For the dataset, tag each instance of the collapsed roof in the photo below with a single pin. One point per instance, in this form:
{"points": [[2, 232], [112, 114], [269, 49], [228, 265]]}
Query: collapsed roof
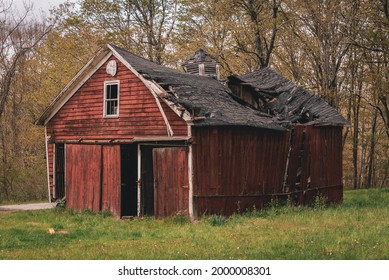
{"points": [[286, 102]]}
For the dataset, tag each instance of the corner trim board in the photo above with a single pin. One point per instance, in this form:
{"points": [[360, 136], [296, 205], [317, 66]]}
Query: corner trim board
{"points": [[47, 163], [190, 176]]}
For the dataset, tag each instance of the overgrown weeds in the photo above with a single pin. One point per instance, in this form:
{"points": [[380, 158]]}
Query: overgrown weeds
{"points": [[217, 220], [61, 204]]}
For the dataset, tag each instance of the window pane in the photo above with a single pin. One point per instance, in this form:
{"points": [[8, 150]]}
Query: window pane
{"points": [[112, 107], [108, 92], [114, 91]]}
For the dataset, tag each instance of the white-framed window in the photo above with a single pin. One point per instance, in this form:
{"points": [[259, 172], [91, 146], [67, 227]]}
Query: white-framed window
{"points": [[111, 99]]}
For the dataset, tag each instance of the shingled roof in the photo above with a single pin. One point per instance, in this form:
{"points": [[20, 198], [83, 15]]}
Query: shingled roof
{"points": [[209, 102], [206, 101], [287, 102]]}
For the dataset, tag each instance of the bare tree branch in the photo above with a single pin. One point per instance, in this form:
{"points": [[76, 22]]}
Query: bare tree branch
{"points": [[18, 36]]}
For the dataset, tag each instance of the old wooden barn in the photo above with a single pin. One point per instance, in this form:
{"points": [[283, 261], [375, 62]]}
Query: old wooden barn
{"points": [[135, 138]]}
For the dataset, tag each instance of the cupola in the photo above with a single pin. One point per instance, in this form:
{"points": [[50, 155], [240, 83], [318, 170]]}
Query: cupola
{"points": [[203, 64]]}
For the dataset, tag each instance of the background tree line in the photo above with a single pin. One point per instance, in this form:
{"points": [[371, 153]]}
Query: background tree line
{"points": [[335, 48]]}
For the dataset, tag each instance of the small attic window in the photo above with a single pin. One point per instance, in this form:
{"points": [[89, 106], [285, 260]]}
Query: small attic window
{"points": [[111, 99]]}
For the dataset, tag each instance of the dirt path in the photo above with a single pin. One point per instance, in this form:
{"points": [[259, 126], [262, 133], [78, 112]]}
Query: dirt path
{"points": [[24, 207]]}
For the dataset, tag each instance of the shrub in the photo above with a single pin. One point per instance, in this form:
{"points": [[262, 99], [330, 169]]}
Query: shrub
{"points": [[218, 220], [320, 202], [62, 203]]}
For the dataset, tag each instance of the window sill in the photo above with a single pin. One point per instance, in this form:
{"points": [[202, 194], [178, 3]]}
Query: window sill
{"points": [[111, 117]]}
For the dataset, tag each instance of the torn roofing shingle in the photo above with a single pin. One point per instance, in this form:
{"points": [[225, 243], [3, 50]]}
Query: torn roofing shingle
{"points": [[202, 96], [291, 103]]}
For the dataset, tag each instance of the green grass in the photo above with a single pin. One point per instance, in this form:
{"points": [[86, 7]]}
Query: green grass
{"points": [[356, 229]]}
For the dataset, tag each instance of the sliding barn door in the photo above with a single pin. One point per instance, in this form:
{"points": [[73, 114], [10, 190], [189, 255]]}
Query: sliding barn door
{"points": [[93, 177], [171, 187]]}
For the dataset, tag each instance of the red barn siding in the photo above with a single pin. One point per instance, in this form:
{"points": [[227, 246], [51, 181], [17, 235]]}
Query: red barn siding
{"points": [[179, 129], [326, 169], [93, 177], [236, 168], [83, 176], [316, 154], [82, 115], [111, 194]]}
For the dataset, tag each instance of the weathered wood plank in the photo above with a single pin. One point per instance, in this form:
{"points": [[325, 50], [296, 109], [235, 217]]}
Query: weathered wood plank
{"points": [[111, 180]]}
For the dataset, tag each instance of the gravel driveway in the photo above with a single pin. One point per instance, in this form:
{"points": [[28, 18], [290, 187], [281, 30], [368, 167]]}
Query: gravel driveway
{"points": [[24, 207]]}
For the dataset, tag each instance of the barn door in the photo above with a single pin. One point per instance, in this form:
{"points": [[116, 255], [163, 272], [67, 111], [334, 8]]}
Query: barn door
{"points": [[92, 176], [171, 190]]}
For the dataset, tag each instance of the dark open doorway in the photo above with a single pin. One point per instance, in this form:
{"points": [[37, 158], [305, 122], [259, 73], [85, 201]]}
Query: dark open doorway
{"points": [[129, 177], [147, 194], [59, 170]]}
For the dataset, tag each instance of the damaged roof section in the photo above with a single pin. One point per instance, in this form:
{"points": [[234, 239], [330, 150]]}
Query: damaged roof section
{"points": [[273, 94], [208, 101]]}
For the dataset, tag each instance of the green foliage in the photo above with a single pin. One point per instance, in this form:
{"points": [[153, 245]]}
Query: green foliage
{"points": [[61, 204], [320, 202], [217, 220]]}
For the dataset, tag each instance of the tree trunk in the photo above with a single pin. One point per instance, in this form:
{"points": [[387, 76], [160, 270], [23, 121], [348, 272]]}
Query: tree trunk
{"points": [[356, 106], [371, 173]]}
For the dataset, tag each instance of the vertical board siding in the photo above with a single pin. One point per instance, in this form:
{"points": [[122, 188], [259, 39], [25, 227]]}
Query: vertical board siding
{"points": [[83, 175], [171, 185], [92, 177], [236, 168], [82, 115], [111, 191], [320, 163], [240, 168], [327, 170], [50, 168]]}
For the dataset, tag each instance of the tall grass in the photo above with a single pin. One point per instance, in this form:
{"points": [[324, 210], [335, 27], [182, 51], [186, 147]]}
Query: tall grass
{"points": [[356, 229]]}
